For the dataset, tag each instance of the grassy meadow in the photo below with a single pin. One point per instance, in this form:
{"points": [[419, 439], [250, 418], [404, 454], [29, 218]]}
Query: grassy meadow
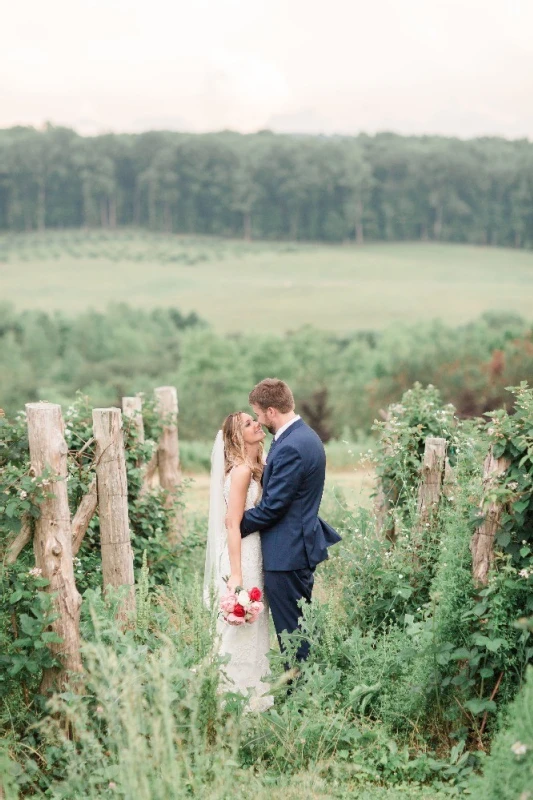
{"points": [[235, 286]]}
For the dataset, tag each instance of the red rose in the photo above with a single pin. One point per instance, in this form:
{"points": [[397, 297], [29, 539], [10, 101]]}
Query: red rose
{"points": [[255, 594], [239, 610]]}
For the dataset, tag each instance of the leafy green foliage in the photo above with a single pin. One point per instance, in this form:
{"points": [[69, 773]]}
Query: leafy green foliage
{"points": [[125, 350], [26, 611], [420, 414], [512, 438], [508, 772]]}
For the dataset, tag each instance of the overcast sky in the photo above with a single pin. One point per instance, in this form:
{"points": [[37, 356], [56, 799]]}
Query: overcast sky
{"points": [[458, 67]]}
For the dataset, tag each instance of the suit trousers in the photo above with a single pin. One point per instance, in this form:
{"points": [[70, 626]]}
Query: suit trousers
{"points": [[283, 590]]}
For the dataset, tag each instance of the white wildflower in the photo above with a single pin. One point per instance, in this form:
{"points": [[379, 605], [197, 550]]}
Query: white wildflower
{"points": [[23, 494], [35, 572], [519, 749]]}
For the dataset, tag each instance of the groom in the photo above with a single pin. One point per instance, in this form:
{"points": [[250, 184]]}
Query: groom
{"points": [[293, 537]]}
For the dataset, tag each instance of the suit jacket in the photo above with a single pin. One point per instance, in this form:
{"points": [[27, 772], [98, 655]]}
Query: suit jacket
{"points": [[292, 534]]}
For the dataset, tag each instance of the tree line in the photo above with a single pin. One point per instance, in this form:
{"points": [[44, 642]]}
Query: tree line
{"points": [[384, 187]]}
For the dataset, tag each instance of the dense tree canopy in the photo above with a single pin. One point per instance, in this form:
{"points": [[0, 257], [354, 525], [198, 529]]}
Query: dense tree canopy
{"points": [[384, 187]]}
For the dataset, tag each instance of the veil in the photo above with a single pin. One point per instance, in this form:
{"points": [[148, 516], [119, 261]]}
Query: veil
{"points": [[217, 515]]}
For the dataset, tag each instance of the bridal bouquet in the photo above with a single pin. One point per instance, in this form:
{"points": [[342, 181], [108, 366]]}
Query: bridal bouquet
{"points": [[241, 607]]}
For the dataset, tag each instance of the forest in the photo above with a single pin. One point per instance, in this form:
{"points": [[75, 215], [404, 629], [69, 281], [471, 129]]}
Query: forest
{"points": [[377, 188]]}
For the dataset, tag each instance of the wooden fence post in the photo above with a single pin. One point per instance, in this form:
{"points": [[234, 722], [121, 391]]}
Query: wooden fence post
{"points": [[168, 450], [53, 538], [383, 505], [117, 554], [482, 544], [432, 474], [83, 516], [132, 410]]}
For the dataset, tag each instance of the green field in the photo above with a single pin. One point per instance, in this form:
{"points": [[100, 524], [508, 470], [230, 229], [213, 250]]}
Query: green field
{"points": [[264, 286]]}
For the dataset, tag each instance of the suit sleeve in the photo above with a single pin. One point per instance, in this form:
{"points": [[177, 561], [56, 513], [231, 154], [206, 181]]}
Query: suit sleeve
{"points": [[282, 487]]}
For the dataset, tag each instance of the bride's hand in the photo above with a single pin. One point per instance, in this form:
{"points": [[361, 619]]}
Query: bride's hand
{"points": [[233, 582]]}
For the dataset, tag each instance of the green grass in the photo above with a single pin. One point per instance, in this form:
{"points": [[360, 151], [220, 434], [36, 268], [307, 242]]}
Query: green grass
{"points": [[264, 286]]}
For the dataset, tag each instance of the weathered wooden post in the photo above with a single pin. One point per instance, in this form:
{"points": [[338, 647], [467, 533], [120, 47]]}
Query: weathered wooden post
{"points": [[16, 546], [168, 450], [117, 554], [482, 544], [53, 538], [83, 516], [429, 494], [432, 474], [449, 482], [132, 410]]}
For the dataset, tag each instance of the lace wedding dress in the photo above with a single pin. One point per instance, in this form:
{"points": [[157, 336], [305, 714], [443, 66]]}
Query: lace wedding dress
{"points": [[247, 645]]}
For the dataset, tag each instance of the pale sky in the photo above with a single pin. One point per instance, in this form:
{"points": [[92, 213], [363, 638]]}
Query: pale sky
{"points": [[455, 67]]}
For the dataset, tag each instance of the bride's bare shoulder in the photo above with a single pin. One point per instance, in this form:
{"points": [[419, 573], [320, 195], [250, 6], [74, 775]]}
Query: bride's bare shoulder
{"points": [[239, 484], [241, 474]]}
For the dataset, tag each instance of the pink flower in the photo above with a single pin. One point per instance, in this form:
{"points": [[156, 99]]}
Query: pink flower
{"points": [[228, 603], [231, 619], [254, 610]]}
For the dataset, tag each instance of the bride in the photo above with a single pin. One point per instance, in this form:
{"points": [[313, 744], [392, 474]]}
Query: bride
{"points": [[236, 470]]}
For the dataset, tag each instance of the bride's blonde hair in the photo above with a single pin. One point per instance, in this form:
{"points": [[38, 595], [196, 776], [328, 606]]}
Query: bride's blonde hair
{"points": [[235, 448]]}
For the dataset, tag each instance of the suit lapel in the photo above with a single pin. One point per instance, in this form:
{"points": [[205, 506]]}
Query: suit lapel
{"points": [[268, 468]]}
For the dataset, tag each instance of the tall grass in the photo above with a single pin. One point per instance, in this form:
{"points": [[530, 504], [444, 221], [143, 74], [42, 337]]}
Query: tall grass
{"points": [[150, 722]]}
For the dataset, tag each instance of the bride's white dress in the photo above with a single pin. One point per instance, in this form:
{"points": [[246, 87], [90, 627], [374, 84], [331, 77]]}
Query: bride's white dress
{"points": [[247, 645]]}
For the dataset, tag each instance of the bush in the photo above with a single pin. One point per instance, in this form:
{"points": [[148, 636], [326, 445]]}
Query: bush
{"points": [[508, 771]]}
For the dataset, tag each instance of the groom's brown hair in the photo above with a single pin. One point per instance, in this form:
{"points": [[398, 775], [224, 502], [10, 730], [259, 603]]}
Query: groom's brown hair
{"points": [[272, 393]]}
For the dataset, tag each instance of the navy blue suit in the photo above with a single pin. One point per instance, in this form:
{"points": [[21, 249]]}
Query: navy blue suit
{"points": [[293, 537]]}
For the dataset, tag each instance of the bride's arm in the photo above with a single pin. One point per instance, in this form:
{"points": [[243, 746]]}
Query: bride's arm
{"points": [[240, 481]]}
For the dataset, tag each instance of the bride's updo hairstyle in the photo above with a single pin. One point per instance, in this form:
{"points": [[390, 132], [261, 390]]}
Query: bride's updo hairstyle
{"points": [[235, 448]]}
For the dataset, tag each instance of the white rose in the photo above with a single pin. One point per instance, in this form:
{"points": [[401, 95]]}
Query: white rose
{"points": [[243, 598]]}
